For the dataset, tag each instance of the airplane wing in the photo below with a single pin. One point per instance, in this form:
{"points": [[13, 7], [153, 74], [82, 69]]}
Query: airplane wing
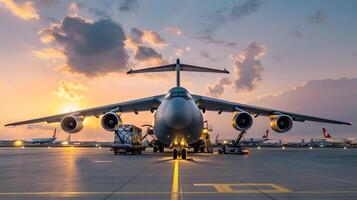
{"points": [[212, 104], [144, 104]]}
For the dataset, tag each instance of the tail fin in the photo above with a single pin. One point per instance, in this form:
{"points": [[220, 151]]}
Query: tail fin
{"points": [[266, 135], [326, 134], [54, 133], [216, 140], [177, 67]]}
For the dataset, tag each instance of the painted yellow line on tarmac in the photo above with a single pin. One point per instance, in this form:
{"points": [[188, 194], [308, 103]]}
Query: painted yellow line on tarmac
{"points": [[175, 182], [165, 193], [228, 187]]}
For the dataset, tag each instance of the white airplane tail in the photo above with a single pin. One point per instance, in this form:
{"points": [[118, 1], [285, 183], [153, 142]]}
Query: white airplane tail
{"points": [[177, 67]]}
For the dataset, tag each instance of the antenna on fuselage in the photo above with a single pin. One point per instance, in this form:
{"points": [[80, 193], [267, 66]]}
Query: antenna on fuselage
{"points": [[177, 67]]}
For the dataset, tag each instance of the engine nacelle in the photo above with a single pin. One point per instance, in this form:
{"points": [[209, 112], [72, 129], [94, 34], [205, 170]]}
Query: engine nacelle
{"points": [[242, 121], [110, 120], [71, 124], [281, 123]]}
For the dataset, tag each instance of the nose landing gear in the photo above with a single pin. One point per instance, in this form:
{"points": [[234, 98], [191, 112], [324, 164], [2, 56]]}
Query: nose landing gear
{"points": [[176, 152], [184, 154]]}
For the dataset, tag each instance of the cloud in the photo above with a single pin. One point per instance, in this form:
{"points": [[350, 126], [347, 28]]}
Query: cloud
{"points": [[328, 98], [296, 33], [178, 52], [91, 48], [218, 89], [247, 69], [49, 53], [206, 55], [210, 40], [98, 12], [140, 36], [144, 53], [319, 16], [247, 8], [73, 9], [140, 40], [69, 90], [221, 16], [174, 30], [149, 56], [25, 11], [128, 5]]}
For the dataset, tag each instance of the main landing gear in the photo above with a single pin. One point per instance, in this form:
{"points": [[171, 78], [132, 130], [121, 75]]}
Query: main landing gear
{"points": [[176, 152]]}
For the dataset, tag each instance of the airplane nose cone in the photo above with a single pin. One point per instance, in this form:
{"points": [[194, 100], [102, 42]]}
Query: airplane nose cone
{"points": [[178, 114]]}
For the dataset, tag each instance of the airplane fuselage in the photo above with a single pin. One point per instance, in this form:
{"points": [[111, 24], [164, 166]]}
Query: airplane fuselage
{"points": [[43, 140], [178, 120]]}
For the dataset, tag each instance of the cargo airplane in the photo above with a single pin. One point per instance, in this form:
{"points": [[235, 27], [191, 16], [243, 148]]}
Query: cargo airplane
{"points": [[178, 119]]}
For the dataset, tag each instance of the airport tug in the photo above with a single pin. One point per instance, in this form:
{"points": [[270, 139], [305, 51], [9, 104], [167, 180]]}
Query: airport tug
{"points": [[235, 147]]}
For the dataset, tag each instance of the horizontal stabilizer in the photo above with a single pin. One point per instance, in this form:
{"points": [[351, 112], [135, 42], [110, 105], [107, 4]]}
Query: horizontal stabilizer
{"points": [[163, 68], [192, 68], [177, 67]]}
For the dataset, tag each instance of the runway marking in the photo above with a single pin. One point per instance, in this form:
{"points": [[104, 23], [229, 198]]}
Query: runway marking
{"points": [[74, 193], [102, 161], [227, 187], [175, 182]]}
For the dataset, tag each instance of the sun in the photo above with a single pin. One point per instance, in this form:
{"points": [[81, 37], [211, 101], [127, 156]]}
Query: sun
{"points": [[69, 108]]}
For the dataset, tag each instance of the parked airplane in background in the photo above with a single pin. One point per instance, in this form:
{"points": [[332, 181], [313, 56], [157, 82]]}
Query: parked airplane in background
{"points": [[256, 141], [245, 141], [178, 119], [337, 141], [45, 140]]}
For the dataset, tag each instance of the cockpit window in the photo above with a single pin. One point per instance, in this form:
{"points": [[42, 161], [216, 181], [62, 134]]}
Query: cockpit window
{"points": [[183, 94]]}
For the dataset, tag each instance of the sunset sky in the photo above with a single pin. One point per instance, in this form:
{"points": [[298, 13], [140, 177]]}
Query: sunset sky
{"points": [[57, 56]]}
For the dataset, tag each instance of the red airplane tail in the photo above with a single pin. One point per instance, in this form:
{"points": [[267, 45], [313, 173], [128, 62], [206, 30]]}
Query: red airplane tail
{"points": [[216, 140], [266, 135], [326, 134]]}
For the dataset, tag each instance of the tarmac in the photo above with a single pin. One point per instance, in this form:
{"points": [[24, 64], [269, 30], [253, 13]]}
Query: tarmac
{"points": [[95, 173]]}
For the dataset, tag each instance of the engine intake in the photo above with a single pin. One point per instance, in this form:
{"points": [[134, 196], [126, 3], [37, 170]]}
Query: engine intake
{"points": [[281, 123], [242, 121], [71, 124], [110, 120]]}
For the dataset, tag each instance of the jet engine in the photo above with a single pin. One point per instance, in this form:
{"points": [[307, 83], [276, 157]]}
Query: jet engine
{"points": [[242, 121], [72, 124], [281, 123], [110, 120]]}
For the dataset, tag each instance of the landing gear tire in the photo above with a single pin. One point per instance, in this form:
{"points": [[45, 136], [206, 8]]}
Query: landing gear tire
{"points": [[155, 149], [161, 149], [174, 154], [184, 154], [115, 152]]}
